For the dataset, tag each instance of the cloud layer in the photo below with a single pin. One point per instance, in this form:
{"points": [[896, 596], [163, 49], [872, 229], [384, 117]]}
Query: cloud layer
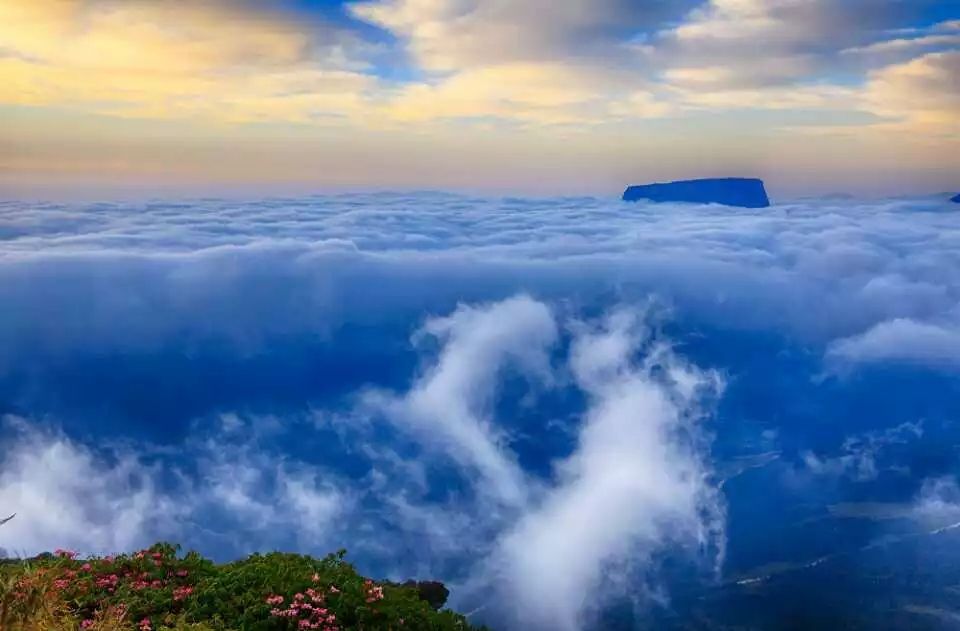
{"points": [[533, 399]]}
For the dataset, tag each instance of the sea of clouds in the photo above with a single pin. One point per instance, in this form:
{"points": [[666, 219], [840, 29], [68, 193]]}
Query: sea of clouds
{"points": [[535, 400]]}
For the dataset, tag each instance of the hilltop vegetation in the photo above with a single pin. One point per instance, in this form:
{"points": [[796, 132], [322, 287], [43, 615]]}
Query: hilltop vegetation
{"points": [[159, 588]]}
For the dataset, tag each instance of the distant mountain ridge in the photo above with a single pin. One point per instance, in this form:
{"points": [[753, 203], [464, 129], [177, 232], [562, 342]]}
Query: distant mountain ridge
{"points": [[730, 191]]}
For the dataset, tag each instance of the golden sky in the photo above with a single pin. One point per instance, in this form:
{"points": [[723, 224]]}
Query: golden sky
{"points": [[571, 96]]}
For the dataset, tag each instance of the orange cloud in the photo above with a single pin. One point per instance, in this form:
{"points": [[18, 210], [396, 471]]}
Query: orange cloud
{"points": [[152, 59]]}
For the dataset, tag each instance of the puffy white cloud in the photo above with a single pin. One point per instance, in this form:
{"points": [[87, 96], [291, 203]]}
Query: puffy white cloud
{"points": [[632, 484], [901, 340], [68, 496], [194, 273], [100, 500]]}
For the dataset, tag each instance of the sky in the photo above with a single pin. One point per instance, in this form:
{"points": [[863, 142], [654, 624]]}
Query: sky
{"points": [[233, 97]]}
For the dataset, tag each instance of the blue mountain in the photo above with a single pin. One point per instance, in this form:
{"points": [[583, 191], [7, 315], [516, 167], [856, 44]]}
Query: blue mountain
{"points": [[731, 191]]}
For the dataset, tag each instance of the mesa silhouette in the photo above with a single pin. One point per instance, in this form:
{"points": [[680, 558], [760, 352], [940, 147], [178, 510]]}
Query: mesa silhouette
{"points": [[730, 191]]}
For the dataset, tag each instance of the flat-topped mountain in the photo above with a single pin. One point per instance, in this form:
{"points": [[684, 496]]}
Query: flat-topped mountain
{"points": [[730, 191]]}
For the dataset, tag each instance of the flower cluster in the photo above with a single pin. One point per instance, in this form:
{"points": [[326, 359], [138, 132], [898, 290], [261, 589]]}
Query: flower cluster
{"points": [[372, 592], [309, 608], [148, 583], [117, 614]]}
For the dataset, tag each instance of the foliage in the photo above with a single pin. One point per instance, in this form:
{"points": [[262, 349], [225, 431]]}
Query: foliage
{"points": [[158, 588]]}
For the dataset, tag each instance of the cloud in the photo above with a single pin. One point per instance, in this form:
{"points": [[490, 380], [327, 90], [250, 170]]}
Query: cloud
{"points": [[861, 454], [119, 497], [537, 93], [923, 92], [637, 462], [532, 62], [901, 340], [799, 39], [147, 59], [67, 496], [909, 44], [193, 273], [451, 35], [254, 360], [223, 96], [938, 503], [451, 404], [709, 60], [632, 483], [583, 64]]}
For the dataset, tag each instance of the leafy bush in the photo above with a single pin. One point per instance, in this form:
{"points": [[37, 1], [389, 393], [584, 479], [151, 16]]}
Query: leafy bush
{"points": [[158, 588]]}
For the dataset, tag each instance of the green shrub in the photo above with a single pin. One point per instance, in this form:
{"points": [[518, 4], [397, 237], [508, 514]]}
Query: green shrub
{"points": [[159, 588]]}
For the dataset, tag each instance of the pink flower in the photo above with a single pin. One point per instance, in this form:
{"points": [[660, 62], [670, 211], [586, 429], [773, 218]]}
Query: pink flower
{"points": [[274, 600], [374, 593], [86, 624], [182, 573], [334, 590], [145, 625], [86, 567], [182, 592], [316, 578]]}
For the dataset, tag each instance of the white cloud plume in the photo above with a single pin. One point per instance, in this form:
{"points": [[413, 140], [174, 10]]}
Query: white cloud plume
{"points": [[451, 404], [633, 483]]}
